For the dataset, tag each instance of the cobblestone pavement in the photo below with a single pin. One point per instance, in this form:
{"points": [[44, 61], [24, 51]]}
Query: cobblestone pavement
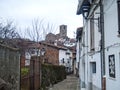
{"points": [[71, 83]]}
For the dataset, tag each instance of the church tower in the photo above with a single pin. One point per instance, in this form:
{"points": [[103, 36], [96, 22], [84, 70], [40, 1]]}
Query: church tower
{"points": [[63, 31]]}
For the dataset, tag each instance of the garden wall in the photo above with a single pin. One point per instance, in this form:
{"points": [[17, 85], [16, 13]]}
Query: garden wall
{"points": [[9, 68]]}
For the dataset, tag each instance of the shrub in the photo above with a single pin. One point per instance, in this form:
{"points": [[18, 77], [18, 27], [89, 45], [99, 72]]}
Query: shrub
{"points": [[52, 74], [24, 71]]}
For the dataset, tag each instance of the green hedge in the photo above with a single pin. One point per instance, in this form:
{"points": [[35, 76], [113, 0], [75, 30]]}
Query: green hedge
{"points": [[52, 74]]}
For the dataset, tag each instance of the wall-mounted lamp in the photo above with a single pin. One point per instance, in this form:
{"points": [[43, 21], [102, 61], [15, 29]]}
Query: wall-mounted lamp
{"points": [[85, 11]]}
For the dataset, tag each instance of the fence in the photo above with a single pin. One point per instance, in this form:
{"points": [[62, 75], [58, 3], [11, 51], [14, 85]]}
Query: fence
{"points": [[35, 73], [32, 80], [9, 68], [42, 77]]}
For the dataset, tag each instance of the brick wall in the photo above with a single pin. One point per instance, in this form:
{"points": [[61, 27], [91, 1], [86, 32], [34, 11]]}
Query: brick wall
{"points": [[51, 54]]}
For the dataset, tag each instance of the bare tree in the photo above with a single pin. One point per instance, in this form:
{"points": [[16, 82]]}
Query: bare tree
{"points": [[8, 30], [8, 33], [39, 29]]}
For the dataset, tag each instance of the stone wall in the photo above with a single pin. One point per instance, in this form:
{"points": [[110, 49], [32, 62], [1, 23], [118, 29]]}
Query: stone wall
{"points": [[9, 68]]}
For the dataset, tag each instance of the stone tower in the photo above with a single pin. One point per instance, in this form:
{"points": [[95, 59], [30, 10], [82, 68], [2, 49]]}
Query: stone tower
{"points": [[63, 31]]}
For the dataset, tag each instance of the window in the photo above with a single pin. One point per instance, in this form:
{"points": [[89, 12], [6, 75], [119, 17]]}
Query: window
{"points": [[63, 60], [112, 66], [93, 67], [67, 53], [27, 62], [118, 16], [32, 51], [92, 34]]}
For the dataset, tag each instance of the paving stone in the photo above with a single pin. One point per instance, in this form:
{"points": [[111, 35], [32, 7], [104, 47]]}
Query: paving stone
{"points": [[71, 83]]}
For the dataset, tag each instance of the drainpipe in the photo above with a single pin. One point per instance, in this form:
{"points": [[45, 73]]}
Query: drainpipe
{"points": [[102, 43], [79, 73]]}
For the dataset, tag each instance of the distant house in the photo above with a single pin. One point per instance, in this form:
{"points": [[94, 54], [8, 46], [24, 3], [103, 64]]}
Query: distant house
{"points": [[54, 54], [51, 53], [62, 41], [57, 55], [65, 59]]}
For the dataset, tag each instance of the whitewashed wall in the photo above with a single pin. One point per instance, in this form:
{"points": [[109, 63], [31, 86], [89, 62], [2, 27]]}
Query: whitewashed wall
{"points": [[67, 58], [77, 54], [62, 54], [112, 46], [96, 77], [91, 80]]}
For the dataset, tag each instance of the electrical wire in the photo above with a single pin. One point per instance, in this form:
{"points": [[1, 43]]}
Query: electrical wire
{"points": [[113, 45]]}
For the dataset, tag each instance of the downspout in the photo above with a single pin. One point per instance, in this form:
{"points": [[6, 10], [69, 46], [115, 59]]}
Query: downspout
{"points": [[102, 43], [79, 66], [79, 60]]}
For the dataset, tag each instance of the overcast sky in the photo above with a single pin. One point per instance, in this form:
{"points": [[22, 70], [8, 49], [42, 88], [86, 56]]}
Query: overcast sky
{"points": [[55, 12]]}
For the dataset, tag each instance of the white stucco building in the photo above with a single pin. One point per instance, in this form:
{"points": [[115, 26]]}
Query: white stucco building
{"points": [[65, 59], [99, 52], [112, 43]]}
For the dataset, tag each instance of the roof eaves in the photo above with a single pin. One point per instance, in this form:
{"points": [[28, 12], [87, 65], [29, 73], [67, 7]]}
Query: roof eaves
{"points": [[83, 6], [51, 45], [79, 6]]}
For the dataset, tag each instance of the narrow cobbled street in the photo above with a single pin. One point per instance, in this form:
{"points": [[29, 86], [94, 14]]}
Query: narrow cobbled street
{"points": [[70, 83]]}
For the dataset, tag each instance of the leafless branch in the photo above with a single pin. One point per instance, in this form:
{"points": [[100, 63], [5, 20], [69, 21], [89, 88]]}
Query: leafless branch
{"points": [[8, 30], [39, 30]]}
